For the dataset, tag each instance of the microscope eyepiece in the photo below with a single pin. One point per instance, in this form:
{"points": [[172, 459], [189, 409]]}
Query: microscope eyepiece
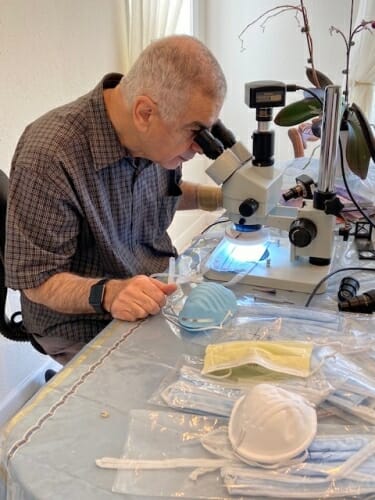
{"points": [[348, 288], [302, 189], [210, 146], [225, 136]]}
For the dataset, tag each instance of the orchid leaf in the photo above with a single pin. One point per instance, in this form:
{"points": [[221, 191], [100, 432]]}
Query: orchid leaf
{"points": [[322, 78], [357, 151], [298, 112], [366, 129]]}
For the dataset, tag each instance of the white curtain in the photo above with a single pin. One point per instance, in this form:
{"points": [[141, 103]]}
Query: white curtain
{"points": [[362, 70], [146, 20]]}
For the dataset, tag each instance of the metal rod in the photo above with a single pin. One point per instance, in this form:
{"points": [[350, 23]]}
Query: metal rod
{"points": [[329, 138]]}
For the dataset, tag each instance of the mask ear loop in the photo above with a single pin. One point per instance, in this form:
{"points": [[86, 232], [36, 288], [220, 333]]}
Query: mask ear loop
{"points": [[353, 462], [321, 363], [208, 443], [291, 461], [179, 279], [228, 315], [226, 374], [341, 349], [170, 314]]}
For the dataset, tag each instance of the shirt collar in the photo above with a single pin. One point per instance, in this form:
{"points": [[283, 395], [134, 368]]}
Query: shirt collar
{"points": [[105, 145]]}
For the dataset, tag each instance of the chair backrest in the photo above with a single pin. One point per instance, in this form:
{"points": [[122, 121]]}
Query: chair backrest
{"points": [[12, 328]]}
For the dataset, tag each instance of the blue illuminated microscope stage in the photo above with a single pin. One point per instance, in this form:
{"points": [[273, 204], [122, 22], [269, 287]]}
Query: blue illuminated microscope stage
{"points": [[251, 187], [275, 270]]}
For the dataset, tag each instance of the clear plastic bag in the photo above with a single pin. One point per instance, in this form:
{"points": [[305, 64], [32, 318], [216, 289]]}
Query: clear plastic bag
{"points": [[185, 388], [166, 454]]}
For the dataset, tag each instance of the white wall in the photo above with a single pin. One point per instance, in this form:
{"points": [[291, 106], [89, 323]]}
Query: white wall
{"points": [[51, 51], [278, 53]]}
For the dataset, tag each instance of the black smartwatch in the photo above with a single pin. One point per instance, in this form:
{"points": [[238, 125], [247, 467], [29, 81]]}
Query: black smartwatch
{"points": [[97, 295]]}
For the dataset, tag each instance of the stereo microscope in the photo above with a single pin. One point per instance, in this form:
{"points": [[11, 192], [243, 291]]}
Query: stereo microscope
{"points": [[270, 244]]}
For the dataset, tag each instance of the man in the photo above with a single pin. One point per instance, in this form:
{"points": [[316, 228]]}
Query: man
{"points": [[94, 186]]}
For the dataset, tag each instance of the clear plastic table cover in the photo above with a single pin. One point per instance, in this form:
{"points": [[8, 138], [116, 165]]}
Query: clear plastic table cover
{"points": [[339, 462], [48, 450], [345, 374]]}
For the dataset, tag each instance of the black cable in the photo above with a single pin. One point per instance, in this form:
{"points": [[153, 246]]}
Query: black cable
{"points": [[214, 224], [305, 89], [365, 216], [312, 294]]}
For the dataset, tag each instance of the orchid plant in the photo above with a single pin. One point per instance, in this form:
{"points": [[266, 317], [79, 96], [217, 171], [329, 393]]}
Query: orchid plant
{"points": [[360, 145]]}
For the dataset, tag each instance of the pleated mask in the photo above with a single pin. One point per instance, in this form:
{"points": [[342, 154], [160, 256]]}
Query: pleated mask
{"points": [[209, 305], [240, 359]]}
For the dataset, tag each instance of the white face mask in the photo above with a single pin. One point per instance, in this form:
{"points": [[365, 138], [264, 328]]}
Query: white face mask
{"points": [[271, 425]]}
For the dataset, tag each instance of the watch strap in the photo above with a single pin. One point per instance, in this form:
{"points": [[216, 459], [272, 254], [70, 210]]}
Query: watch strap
{"points": [[97, 295]]}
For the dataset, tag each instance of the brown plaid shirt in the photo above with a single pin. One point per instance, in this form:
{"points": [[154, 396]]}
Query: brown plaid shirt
{"points": [[79, 203]]}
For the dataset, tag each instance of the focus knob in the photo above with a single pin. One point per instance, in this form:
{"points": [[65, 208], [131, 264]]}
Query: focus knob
{"points": [[302, 232], [248, 207]]}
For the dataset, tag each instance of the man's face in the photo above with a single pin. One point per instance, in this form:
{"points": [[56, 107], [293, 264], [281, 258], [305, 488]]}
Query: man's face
{"points": [[171, 144]]}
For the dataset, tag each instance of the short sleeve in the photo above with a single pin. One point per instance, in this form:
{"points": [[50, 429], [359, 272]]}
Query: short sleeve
{"points": [[42, 226]]}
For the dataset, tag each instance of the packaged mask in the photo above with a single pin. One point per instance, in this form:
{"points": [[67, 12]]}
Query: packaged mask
{"points": [[240, 359], [322, 452], [209, 305], [195, 392], [270, 425]]}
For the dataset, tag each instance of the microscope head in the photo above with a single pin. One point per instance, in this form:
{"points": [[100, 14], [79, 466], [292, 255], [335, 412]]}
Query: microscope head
{"points": [[250, 192]]}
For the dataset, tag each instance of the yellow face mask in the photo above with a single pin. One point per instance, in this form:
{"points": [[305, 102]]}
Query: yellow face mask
{"points": [[240, 359]]}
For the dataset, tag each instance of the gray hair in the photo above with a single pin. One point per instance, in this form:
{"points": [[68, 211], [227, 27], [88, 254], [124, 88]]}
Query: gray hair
{"points": [[169, 70]]}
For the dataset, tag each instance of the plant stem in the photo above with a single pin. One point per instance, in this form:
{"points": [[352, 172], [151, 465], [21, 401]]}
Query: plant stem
{"points": [[279, 8], [309, 42], [348, 49]]}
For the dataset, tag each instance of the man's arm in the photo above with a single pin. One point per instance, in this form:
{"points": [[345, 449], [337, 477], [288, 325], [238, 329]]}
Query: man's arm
{"points": [[200, 196], [127, 299]]}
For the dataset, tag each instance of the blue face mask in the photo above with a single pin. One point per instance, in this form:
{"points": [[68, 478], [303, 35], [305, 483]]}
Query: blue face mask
{"points": [[192, 391], [209, 305], [324, 453], [344, 374]]}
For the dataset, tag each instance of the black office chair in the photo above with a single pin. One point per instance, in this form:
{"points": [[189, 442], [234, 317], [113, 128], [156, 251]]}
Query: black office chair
{"points": [[12, 328]]}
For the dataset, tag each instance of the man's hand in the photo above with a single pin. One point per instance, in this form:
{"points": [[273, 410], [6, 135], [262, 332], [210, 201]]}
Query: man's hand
{"points": [[126, 299], [136, 298]]}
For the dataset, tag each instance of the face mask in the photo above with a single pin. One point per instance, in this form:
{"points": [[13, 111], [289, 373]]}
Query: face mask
{"points": [[344, 374], [237, 359], [271, 425], [195, 392], [322, 452], [209, 305], [354, 404], [299, 483], [340, 462], [191, 397]]}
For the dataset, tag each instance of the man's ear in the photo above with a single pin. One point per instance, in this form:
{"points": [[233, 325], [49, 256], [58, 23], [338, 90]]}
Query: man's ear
{"points": [[144, 111]]}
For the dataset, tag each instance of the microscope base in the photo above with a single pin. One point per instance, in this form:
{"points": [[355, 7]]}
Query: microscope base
{"points": [[279, 273]]}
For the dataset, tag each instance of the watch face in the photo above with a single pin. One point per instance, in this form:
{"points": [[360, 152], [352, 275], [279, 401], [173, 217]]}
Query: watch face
{"points": [[97, 295]]}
